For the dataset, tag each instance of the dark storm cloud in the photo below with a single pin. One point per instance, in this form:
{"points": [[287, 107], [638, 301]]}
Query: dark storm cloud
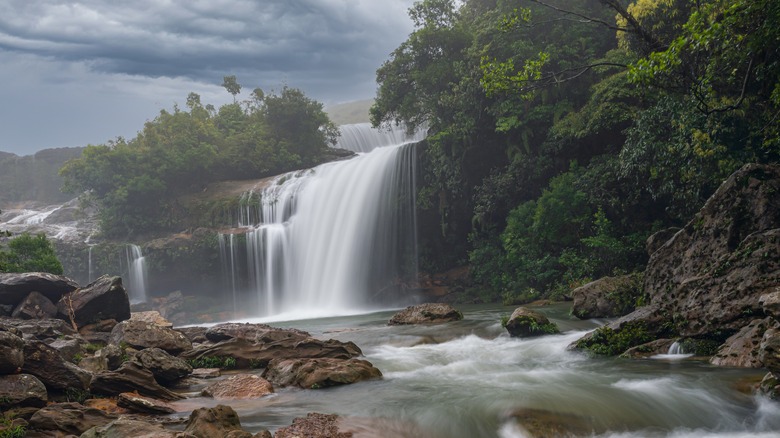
{"points": [[271, 40]]}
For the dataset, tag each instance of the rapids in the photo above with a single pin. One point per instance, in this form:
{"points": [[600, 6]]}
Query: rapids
{"points": [[468, 378]]}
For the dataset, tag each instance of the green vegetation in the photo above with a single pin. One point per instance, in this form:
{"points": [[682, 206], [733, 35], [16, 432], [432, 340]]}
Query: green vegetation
{"points": [[9, 429], [27, 253], [136, 183], [76, 395], [608, 342], [557, 144], [224, 363]]}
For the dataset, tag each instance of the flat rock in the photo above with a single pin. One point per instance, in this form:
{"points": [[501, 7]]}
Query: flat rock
{"points": [[132, 428], [35, 306], [240, 386], [319, 373], [22, 390], [70, 418], [15, 287], [144, 405], [130, 377], [11, 353], [253, 332], [41, 329], [104, 298], [142, 334], [206, 373], [428, 313]]}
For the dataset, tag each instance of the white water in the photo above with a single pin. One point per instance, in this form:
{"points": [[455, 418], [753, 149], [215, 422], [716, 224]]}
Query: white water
{"points": [[136, 278], [361, 137], [331, 240]]}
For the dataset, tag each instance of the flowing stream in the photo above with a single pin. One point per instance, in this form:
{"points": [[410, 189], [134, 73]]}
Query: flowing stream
{"points": [[469, 379]]}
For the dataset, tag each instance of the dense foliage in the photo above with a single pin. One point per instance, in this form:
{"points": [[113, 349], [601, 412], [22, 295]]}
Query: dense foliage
{"points": [[136, 183], [27, 253], [562, 134]]}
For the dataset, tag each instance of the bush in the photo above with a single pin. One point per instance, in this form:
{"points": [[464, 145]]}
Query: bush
{"points": [[27, 253]]}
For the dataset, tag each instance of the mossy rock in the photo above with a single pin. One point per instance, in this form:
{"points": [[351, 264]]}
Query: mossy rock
{"points": [[526, 323]]}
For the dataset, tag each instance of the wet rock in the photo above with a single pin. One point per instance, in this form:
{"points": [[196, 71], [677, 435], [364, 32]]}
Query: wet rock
{"points": [[42, 329], [770, 386], [47, 364], [769, 351], [258, 354], [253, 332], [240, 386], [104, 298], [22, 390], [525, 323], [11, 353], [428, 313], [151, 316], [15, 287], [607, 297], [770, 303], [206, 373], [219, 421], [315, 425], [166, 368], [132, 428], [130, 377], [319, 373], [659, 346], [144, 405], [35, 306], [70, 418], [540, 423], [142, 334], [742, 349]]}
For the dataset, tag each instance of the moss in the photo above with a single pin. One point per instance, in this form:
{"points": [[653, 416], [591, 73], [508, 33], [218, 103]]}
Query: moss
{"points": [[608, 342], [700, 347], [222, 362]]}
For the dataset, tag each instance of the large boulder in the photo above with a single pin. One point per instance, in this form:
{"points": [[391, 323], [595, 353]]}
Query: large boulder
{"points": [[142, 334], [428, 313], [607, 297], [741, 350], [41, 329], [769, 350], [240, 386], [257, 354], [70, 418], [144, 405], [70, 347], [47, 364], [11, 353], [707, 280], [104, 298], [22, 390], [525, 323], [319, 373], [15, 287], [130, 377], [35, 306], [166, 368], [219, 421]]}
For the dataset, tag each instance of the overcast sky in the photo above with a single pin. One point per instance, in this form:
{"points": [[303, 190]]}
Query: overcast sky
{"points": [[74, 73]]}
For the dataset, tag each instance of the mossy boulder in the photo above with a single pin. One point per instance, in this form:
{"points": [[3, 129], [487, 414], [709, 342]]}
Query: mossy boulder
{"points": [[526, 323]]}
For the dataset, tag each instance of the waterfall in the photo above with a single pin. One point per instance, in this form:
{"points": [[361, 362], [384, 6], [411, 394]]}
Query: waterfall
{"points": [[228, 254], [338, 238], [136, 274], [676, 348]]}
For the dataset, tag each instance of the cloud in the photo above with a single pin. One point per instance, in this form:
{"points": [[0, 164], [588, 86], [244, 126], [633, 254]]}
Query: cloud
{"points": [[153, 52]]}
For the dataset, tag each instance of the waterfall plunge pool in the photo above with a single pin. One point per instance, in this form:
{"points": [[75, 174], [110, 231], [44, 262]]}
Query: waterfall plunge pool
{"points": [[470, 379]]}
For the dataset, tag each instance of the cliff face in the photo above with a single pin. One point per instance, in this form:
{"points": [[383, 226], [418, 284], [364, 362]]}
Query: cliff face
{"points": [[706, 281]]}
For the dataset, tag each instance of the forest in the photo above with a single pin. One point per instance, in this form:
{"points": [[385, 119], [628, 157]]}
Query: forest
{"points": [[563, 134]]}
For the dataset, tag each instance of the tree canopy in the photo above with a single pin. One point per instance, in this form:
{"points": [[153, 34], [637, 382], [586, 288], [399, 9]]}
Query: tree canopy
{"points": [[28, 253]]}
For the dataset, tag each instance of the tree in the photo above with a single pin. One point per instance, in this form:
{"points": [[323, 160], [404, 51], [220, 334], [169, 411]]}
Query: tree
{"points": [[232, 86], [27, 253]]}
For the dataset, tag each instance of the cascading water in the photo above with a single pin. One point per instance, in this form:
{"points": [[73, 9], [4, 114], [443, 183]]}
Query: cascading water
{"points": [[136, 274], [337, 238]]}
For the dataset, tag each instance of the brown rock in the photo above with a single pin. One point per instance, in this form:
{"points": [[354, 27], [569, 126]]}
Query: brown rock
{"points": [[22, 390], [607, 297], [319, 373], [68, 346], [771, 304], [98, 332], [428, 313], [130, 377], [15, 287], [206, 373], [549, 424], [47, 364], [253, 332], [141, 334], [41, 329], [769, 351], [219, 421], [742, 349], [35, 306], [151, 316], [313, 426], [144, 405], [240, 386], [525, 323], [104, 298], [166, 368], [122, 428], [11, 353], [659, 346], [71, 418], [770, 386]]}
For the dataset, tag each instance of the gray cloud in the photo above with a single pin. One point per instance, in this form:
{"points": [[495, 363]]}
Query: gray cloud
{"points": [[145, 54]]}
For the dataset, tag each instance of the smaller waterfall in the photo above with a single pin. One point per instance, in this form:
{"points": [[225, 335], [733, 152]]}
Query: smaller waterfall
{"points": [[229, 254], [676, 348], [136, 274]]}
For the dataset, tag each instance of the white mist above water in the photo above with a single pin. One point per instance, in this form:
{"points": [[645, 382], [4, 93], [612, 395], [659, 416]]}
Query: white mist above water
{"points": [[333, 239]]}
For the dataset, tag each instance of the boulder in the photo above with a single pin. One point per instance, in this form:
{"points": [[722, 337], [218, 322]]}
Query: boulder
{"points": [[47, 364], [98, 332], [68, 346], [15, 287], [41, 329], [315, 425], [142, 334], [607, 297], [319, 373], [104, 298], [70, 418], [428, 313], [196, 335], [769, 350], [152, 316], [219, 421], [124, 427], [770, 386], [253, 332], [525, 323], [166, 368], [22, 390], [257, 354], [130, 377], [144, 405], [741, 350], [11, 353], [240, 386], [659, 346], [35, 306], [544, 423], [770, 303], [108, 358]]}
